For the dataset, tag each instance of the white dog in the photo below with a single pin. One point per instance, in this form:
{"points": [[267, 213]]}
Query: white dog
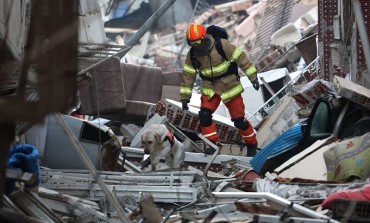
{"points": [[159, 142]]}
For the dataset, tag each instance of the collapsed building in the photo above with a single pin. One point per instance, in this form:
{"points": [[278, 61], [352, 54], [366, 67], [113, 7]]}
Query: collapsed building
{"points": [[311, 115]]}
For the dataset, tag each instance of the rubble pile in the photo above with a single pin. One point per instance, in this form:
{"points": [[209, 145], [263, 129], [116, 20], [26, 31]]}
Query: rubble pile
{"points": [[312, 164]]}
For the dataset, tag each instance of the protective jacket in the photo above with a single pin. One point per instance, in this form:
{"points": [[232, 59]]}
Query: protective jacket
{"points": [[213, 65]]}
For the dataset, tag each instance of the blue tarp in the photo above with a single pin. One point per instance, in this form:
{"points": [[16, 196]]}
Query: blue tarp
{"points": [[288, 140]]}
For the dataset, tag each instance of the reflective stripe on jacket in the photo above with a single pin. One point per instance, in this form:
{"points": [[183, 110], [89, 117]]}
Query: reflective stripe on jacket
{"points": [[214, 64]]}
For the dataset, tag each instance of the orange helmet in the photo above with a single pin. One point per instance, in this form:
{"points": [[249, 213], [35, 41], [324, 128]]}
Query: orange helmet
{"points": [[195, 32]]}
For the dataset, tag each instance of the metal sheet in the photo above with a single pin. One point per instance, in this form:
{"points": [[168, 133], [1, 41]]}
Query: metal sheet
{"points": [[285, 142], [166, 194], [59, 152]]}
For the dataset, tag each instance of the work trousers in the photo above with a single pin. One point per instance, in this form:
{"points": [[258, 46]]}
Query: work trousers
{"points": [[236, 109]]}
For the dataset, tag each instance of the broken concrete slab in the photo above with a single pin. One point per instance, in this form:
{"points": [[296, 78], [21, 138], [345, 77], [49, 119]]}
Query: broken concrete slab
{"points": [[352, 91], [129, 131]]}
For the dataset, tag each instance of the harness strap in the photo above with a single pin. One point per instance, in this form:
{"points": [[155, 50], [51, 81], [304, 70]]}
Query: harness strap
{"points": [[170, 138]]}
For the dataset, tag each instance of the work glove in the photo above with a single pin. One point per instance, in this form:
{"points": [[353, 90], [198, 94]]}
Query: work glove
{"points": [[256, 84], [185, 106]]}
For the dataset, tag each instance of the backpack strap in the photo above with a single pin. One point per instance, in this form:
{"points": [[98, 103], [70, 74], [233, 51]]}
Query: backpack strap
{"points": [[194, 61], [220, 49], [233, 69]]}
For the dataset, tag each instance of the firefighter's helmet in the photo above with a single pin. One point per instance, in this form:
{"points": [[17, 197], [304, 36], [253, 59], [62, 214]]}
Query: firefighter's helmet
{"points": [[195, 32]]}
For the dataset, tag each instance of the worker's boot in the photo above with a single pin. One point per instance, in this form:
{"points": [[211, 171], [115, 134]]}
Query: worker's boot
{"points": [[252, 150], [210, 150]]}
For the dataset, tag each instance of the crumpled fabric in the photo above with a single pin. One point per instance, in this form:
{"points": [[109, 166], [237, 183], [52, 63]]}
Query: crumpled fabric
{"points": [[360, 194], [26, 158]]}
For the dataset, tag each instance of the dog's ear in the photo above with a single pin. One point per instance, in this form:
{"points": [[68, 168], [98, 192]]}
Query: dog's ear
{"points": [[142, 138], [157, 138]]}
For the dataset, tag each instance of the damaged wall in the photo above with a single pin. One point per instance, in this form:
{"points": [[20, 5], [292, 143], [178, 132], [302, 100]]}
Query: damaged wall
{"points": [[339, 42]]}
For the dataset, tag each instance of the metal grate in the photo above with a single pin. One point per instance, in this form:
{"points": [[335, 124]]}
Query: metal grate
{"points": [[277, 14], [90, 55]]}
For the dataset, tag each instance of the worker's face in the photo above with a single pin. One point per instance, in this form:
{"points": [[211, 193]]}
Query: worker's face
{"points": [[201, 45], [198, 44]]}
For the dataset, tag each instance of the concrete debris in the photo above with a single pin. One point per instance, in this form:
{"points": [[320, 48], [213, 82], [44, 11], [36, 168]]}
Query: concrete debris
{"points": [[129, 131], [312, 124], [188, 120], [352, 91]]}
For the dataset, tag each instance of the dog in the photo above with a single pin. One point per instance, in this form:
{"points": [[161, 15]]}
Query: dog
{"points": [[159, 142]]}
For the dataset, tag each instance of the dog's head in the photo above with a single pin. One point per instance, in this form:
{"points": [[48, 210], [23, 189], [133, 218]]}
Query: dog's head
{"points": [[150, 140]]}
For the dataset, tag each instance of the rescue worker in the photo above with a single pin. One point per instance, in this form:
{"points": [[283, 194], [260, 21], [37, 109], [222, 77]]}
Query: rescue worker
{"points": [[219, 82]]}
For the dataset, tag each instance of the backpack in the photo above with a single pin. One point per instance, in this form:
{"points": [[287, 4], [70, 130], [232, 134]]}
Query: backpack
{"points": [[217, 33]]}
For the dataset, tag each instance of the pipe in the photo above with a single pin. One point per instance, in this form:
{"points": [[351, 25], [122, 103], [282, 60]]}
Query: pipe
{"points": [[85, 159], [362, 31], [165, 219], [217, 150], [275, 199]]}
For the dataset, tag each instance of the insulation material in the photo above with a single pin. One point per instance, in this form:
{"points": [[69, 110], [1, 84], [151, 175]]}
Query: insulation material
{"points": [[287, 34], [349, 158], [352, 91]]}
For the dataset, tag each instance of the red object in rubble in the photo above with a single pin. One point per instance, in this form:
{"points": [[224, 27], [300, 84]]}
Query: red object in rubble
{"points": [[361, 194]]}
